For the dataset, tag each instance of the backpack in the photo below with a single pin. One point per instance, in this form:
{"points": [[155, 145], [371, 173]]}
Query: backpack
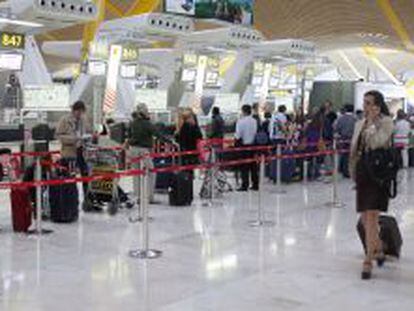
{"points": [[262, 137]]}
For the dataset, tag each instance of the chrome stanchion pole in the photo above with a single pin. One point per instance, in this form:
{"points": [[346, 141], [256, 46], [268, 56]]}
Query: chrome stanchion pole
{"points": [[335, 199], [279, 189], [140, 215], [261, 222], [145, 252], [39, 200], [305, 171]]}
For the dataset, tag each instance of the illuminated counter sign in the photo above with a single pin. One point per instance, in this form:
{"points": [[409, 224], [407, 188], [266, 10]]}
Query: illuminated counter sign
{"points": [[11, 40]]}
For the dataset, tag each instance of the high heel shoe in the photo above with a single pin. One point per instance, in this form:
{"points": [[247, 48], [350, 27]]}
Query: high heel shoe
{"points": [[366, 271]]}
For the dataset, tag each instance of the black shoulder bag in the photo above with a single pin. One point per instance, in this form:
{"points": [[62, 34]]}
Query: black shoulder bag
{"points": [[383, 165]]}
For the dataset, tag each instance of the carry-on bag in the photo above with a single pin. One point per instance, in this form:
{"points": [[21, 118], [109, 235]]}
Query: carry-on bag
{"points": [[180, 192], [288, 168], [21, 209], [389, 234], [64, 200]]}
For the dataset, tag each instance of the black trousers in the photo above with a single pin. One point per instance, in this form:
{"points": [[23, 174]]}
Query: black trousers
{"points": [[249, 171]]}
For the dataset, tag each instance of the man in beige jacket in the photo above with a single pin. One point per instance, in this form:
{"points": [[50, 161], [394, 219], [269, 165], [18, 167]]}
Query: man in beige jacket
{"points": [[71, 131]]}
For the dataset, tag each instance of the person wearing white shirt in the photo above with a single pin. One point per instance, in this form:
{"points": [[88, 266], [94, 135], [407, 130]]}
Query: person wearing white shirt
{"points": [[402, 130], [277, 126], [246, 129]]}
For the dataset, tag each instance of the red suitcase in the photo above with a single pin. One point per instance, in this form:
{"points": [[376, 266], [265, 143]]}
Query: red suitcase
{"points": [[21, 209]]}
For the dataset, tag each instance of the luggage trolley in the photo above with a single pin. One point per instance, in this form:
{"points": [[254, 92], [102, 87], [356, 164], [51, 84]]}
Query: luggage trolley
{"points": [[102, 161]]}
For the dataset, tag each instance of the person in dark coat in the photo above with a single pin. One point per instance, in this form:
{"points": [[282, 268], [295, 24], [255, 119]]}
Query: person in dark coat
{"points": [[187, 136]]}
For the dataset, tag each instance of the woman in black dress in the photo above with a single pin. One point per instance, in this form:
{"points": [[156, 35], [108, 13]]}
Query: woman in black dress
{"points": [[373, 132]]}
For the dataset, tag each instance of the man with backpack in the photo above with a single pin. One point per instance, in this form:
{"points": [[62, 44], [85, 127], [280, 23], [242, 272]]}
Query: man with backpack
{"points": [[278, 126]]}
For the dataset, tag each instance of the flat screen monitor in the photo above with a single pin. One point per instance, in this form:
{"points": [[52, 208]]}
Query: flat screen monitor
{"points": [[257, 80], [212, 77], [185, 7], [96, 68], [11, 61], [128, 71], [232, 11], [188, 75]]}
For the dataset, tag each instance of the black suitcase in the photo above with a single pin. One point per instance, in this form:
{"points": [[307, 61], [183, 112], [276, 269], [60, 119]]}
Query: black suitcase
{"points": [[411, 157], [180, 192], [389, 234], [64, 203], [163, 180], [64, 199]]}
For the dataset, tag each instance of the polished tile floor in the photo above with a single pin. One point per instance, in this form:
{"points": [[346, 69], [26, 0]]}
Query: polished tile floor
{"points": [[212, 259]]}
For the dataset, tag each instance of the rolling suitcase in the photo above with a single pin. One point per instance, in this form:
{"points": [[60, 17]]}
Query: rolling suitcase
{"points": [[163, 180], [389, 234], [288, 168], [21, 209], [180, 192], [64, 201]]}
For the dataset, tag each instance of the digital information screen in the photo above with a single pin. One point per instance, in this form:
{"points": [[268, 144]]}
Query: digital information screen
{"points": [[46, 97], [155, 100], [11, 61], [97, 68], [232, 11]]}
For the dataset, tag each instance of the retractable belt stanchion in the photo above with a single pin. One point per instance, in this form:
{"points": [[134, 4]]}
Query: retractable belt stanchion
{"points": [[335, 199], [261, 222], [305, 171], [140, 215], [145, 252], [279, 189], [39, 200], [213, 184]]}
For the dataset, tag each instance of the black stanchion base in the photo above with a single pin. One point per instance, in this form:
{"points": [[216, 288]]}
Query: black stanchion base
{"points": [[335, 204], [261, 223], [42, 231], [145, 254], [140, 219]]}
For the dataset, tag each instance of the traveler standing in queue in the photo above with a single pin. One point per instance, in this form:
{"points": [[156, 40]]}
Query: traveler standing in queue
{"points": [[246, 129], [372, 133], [256, 114], [140, 142], [344, 129], [217, 124], [71, 131], [402, 130], [188, 134], [278, 126]]}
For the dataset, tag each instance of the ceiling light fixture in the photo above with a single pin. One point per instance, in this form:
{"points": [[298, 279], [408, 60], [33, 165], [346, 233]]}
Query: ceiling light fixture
{"points": [[5, 20]]}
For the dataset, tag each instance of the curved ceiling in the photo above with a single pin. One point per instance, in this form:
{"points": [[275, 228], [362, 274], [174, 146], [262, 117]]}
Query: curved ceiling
{"points": [[348, 26]]}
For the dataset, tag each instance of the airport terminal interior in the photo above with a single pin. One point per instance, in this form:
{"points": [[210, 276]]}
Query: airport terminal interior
{"points": [[180, 155]]}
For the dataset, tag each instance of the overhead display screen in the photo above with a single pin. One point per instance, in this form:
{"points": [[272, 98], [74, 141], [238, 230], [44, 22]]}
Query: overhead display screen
{"points": [[46, 97], [233, 11], [96, 68], [186, 7], [155, 99], [9, 61]]}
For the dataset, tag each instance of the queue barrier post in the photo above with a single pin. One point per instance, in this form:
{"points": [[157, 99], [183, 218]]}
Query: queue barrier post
{"points": [[38, 230], [335, 198], [279, 189], [145, 252], [140, 200], [212, 176], [305, 171], [261, 222]]}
